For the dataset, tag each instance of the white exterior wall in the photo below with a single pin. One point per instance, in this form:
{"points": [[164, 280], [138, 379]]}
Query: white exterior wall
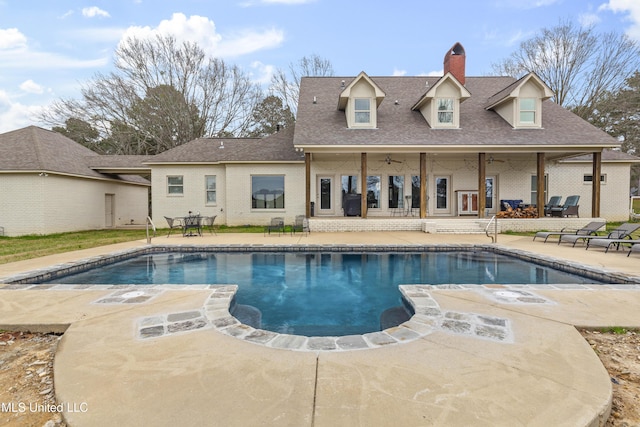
{"points": [[238, 202], [233, 193], [194, 196], [566, 179], [33, 204]]}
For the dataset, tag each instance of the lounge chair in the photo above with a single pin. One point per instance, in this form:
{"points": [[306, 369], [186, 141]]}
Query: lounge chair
{"points": [[634, 246], [616, 240], [570, 207], [622, 232], [587, 230], [173, 224], [300, 224], [554, 202]]}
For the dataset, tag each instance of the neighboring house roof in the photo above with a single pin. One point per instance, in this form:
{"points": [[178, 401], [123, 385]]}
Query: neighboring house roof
{"points": [[34, 149], [321, 125], [273, 148]]}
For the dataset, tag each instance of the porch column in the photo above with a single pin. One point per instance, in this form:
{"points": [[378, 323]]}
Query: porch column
{"points": [[423, 185], [540, 185], [307, 185], [482, 185], [363, 185], [595, 182]]}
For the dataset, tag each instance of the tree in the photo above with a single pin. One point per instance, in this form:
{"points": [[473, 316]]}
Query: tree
{"points": [[79, 131], [579, 65], [269, 116], [287, 87], [162, 94]]}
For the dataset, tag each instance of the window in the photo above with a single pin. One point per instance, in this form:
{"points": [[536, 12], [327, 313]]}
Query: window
{"points": [[588, 179], [267, 192], [210, 185], [442, 193], [534, 188], [396, 191], [373, 191], [349, 184], [445, 111], [415, 191], [175, 184], [362, 110], [528, 110]]}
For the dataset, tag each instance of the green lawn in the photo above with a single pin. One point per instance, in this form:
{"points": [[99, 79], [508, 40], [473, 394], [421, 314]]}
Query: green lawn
{"points": [[34, 246]]}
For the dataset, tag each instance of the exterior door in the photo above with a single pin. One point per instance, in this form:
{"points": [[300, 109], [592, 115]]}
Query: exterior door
{"points": [[490, 200], [108, 210], [324, 198], [442, 195]]}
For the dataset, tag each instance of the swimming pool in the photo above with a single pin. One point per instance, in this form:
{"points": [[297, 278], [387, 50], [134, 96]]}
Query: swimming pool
{"points": [[322, 293]]}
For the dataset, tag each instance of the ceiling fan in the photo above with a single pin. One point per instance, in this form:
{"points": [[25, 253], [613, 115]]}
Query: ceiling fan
{"points": [[388, 160], [491, 160]]}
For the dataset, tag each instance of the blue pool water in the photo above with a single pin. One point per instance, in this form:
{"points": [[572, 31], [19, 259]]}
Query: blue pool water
{"points": [[321, 293]]}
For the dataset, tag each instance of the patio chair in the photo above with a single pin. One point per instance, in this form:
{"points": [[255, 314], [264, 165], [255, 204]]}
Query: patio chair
{"points": [[587, 230], [192, 222], [622, 232], [276, 224], [570, 207], [173, 224], [207, 222], [300, 224], [554, 202]]}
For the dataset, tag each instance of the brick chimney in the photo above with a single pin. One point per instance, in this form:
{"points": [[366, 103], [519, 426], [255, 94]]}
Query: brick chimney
{"points": [[454, 62]]}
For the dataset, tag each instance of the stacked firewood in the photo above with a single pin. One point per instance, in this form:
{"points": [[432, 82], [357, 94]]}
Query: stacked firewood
{"points": [[527, 212]]}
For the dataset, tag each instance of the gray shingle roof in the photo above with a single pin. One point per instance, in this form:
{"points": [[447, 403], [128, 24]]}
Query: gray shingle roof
{"points": [[36, 149], [274, 148], [321, 124]]}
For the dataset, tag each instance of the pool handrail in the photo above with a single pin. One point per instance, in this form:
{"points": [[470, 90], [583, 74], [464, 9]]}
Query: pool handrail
{"points": [[150, 222], [494, 238]]}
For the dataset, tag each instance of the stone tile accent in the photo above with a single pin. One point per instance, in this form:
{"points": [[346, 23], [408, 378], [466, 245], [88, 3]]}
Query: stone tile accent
{"points": [[172, 323]]}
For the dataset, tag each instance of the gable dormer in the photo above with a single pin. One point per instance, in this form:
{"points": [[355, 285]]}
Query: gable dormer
{"points": [[440, 106], [520, 104], [360, 100]]}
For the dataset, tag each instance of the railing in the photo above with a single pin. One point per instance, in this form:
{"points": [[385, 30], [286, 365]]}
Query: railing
{"points": [[494, 238], [153, 226]]}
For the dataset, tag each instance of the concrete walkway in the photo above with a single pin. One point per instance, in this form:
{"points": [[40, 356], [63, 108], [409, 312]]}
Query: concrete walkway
{"points": [[546, 374]]}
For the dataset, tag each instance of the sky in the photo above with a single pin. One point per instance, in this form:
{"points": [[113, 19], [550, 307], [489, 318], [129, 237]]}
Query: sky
{"points": [[49, 49]]}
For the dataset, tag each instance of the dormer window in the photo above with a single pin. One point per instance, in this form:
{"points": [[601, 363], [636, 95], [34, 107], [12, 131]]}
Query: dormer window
{"points": [[440, 105], [362, 110], [528, 111], [360, 100], [520, 103], [445, 111]]}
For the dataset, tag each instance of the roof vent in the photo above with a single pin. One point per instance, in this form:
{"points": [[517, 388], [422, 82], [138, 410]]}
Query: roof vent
{"points": [[221, 144]]}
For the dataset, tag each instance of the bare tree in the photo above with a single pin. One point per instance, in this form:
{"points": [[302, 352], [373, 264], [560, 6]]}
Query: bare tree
{"points": [[578, 64], [162, 94], [287, 86]]}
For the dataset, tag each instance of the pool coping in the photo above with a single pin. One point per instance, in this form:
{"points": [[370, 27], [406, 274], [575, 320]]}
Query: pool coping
{"points": [[427, 315]]}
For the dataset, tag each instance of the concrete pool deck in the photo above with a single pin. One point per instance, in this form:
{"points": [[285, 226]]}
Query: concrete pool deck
{"points": [[545, 375]]}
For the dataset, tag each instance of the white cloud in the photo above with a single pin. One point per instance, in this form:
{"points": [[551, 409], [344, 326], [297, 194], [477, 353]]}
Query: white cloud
{"points": [[11, 38], [202, 30], [437, 73], [629, 7], [588, 19], [93, 11], [397, 72], [263, 72], [14, 115], [30, 86]]}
